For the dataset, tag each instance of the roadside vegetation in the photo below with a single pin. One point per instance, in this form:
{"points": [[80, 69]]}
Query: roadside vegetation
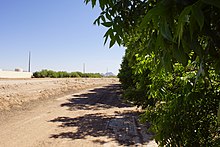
{"points": [[171, 67], [63, 74]]}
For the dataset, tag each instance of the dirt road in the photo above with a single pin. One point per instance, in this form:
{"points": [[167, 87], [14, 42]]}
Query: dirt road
{"points": [[92, 117]]}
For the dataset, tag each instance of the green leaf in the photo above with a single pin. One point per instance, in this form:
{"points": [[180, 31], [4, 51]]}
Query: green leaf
{"points": [[86, 1], [215, 3], [112, 42], [112, 38], [165, 31], [93, 3], [118, 29], [118, 40], [97, 21], [159, 43], [106, 38], [198, 15], [107, 24], [103, 18], [108, 16], [107, 34], [180, 55], [183, 18], [154, 12], [192, 27], [151, 43], [102, 4]]}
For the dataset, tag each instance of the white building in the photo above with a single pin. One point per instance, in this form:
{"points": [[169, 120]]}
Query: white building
{"points": [[18, 73]]}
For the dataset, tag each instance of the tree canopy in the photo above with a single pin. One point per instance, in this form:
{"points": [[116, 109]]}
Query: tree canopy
{"points": [[171, 66], [176, 31]]}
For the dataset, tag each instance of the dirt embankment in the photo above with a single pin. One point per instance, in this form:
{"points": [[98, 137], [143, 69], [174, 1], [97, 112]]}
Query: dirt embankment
{"points": [[13, 93]]}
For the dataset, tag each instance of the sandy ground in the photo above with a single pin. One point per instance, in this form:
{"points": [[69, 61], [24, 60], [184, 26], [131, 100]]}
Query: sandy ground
{"points": [[13, 93], [39, 113]]}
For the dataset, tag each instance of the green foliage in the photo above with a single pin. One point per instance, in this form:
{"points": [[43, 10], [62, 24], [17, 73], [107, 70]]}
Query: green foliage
{"points": [[178, 27], [74, 75], [64, 74], [189, 108], [171, 66], [125, 74], [179, 100], [91, 75]]}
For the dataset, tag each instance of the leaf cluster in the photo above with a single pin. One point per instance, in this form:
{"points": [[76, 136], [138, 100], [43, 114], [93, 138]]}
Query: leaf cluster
{"points": [[170, 28]]}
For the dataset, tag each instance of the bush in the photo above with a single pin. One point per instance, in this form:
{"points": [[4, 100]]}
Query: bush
{"points": [[74, 75], [63, 74], [179, 100]]}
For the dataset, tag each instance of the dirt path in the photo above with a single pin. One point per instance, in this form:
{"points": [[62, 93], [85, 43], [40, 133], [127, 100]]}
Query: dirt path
{"points": [[93, 117]]}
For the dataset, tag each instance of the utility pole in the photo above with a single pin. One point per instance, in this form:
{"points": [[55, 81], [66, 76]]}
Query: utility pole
{"points": [[84, 68], [29, 62]]}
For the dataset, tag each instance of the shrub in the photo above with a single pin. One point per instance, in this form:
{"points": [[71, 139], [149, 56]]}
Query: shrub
{"points": [[63, 74]]}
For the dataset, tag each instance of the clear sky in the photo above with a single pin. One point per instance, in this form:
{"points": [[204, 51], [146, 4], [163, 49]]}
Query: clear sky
{"points": [[59, 33]]}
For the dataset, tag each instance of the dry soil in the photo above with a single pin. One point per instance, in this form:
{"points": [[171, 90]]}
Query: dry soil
{"points": [[68, 112]]}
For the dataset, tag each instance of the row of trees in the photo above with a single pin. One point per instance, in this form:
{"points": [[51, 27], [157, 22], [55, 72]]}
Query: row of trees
{"points": [[171, 66], [63, 74], [181, 107]]}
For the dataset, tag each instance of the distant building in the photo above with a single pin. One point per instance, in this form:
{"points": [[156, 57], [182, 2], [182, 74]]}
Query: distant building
{"points": [[18, 73], [19, 69], [108, 74]]}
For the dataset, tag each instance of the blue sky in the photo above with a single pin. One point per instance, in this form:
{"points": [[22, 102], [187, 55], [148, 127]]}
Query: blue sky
{"points": [[59, 33]]}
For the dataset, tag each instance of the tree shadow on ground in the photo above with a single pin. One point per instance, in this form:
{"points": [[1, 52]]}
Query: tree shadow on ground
{"points": [[96, 99], [119, 126]]}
